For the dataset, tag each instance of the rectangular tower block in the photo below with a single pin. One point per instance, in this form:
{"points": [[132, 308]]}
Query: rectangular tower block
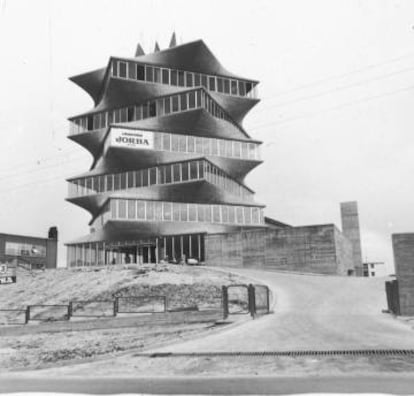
{"points": [[350, 228], [403, 247]]}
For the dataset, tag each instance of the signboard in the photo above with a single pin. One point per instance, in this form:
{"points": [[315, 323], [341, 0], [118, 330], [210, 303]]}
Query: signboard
{"points": [[7, 274], [25, 249], [142, 140]]}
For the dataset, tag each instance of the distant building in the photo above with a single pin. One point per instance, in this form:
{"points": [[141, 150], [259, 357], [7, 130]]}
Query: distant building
{"points": [[350, 229], [374, 269], [32, 251]]}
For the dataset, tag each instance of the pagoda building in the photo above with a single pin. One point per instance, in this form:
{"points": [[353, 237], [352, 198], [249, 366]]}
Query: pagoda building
{"points": [[170, 156]]}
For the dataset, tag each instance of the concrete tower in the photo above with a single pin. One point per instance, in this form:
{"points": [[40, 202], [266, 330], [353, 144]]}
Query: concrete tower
{"points": [[350, 228], [170, 156]]}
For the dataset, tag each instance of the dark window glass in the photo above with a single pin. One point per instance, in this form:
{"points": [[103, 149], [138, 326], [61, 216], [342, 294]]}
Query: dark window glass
{"points": [[145, 177], [197, 80], [145, 110], [122, 69], [153, 176], [140, 72], [193, 170], [189, 79], [174, 77], [123, 181], [90, 123], [200, 169], [219, 84], [184, 171], [152, 109], [248, 87], [233, 87], [212, 83], [138, 178], [183, 99], [226, 86], [167, 106], [130, 179], [191, 100], [175, 103], [130, 114], [161, 175], [149, 74], [204, 80], [176, 172], [168, 174], [181, 78], [198, 98], [242, 90], [165, 76]]}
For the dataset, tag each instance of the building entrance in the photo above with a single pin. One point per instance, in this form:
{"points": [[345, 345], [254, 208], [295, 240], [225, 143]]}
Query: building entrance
{"points": [[132, 254], [146, 255]]}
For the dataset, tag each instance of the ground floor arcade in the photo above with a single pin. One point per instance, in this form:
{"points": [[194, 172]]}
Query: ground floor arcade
{"points": [[173, 248]]}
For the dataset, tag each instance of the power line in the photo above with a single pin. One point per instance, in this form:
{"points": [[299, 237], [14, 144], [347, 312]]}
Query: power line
{"points": [[343, 105], [336, 89], [338, 76]]}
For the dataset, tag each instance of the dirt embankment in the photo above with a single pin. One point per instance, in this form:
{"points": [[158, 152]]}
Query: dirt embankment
{"points": [[184, 286]]}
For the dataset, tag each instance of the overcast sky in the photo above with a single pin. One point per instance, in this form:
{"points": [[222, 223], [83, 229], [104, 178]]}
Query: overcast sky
{"points": [[336, 116]]}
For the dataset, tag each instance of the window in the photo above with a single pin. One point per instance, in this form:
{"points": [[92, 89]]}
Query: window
{"points": [[165, 76], [158, 211], [191, 100], [167, 209], [176, 211], [150, 210], [122, 208], [247, 215], [242, 88], [204, 80], [176, 173], [248, 87], [193, 170], [168, 170], [131, 179], [190, 147], [189, 79], [157, 75], [152, 109], [372, 273], [212, 83], [226, 86], [140, 72], [175, 142], [166, 144], [145, 177], [184, 171], [182, 143], [231, 214], [167, 105], [152, 176], [175, 104], [197, 80], [141, 210], [138, 178], [181, 78], [131, 209], [192, 212], [123, 181], [149, 74], [117, 182], [219, 84], [174, 78], [130, 114], [114, 69], [122, 69], [131, 71], [233, 87], [183, 99], [200, 213], [216, 214], [183, 212]]}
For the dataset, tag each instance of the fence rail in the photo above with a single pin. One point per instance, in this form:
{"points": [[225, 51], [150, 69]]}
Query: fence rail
{"points": [[141, 304]]}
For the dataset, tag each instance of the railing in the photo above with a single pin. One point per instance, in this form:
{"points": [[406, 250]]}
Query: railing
{"points": [[193, 99], [138, 71], [159, 175]]}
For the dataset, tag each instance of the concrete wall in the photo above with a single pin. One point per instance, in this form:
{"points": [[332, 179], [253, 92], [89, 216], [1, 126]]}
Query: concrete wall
{"points": [[313, 249], [350, 229], [403, 246]]}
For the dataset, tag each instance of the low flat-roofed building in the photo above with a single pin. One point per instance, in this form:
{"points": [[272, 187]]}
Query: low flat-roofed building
{"points": [[374, 269], [36, 252]]}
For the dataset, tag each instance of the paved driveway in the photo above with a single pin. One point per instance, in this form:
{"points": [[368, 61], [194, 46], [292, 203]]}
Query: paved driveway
{"points": [[313, 312]]}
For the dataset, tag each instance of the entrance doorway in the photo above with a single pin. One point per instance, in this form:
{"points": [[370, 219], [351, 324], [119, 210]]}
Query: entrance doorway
{"points": [[147, 255]]}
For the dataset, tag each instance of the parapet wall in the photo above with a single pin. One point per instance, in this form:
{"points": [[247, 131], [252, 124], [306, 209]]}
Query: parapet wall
{"points": [[318, 249]]}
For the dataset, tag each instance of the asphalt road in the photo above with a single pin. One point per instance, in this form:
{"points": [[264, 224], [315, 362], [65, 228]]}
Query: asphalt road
{"points": [[214, 385]]}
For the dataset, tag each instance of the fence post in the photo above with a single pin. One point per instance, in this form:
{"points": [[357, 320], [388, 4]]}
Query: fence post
{"points": [[70, 310], [115, 306], [252, 300], [268, 299], [225, 301], [27, 316]]}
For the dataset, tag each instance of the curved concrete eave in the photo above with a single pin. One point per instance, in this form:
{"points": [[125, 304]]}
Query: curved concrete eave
{"points": [[236, 107], [91, 141], [91, 82]]}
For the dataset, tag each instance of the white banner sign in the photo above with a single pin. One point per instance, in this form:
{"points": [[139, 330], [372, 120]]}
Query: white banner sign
{"points": [[143, 140]]}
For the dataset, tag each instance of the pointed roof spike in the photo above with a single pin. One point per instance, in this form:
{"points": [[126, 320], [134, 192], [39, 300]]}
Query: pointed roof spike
{"points": [[173, 41], [139, 51], [157, 47]]}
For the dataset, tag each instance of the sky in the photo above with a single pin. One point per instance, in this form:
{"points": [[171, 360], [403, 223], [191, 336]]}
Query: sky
{"points": [[336, 113]]}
